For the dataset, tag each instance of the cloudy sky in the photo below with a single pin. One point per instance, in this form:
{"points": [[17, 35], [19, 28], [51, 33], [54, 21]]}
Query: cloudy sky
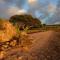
{"points": [[45, 10]]}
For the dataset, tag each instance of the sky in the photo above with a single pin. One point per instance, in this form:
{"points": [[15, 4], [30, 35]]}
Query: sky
{"points": [[45, 10]]}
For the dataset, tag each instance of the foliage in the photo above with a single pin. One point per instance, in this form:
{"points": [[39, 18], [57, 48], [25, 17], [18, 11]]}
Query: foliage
{"points": [[27, 20], [11, 36]]}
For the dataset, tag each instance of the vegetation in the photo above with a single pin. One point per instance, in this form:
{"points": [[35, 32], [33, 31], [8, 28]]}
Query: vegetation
{"points": [[14, 32], [25, 20], [11, 36], [7, 30]]}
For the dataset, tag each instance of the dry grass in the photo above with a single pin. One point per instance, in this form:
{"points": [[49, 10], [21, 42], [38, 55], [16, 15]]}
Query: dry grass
{"points": [[8, 32]]}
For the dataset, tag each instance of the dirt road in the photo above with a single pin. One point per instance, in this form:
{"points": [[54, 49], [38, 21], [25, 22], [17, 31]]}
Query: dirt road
{"points": [[45, 46], [40, 39]]}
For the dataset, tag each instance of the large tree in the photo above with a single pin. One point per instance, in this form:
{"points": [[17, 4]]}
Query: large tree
{"points": [[26, 20]]}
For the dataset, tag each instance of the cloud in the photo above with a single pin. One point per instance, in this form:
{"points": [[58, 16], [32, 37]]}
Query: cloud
{"points": [[15, 10], [51, 8], [8, 1], [1, 1], [21, 11], [56, 17], [45, 9], [3, 10], [20, 3], [6, 12], [32, 1], [50, 14], [39, 8], [57, 22], [12, 10], [11, 7], [35, 5]]}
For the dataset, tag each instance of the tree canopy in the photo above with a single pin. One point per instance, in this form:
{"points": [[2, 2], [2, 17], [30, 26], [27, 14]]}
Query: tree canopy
{"points": [[28, 20]]}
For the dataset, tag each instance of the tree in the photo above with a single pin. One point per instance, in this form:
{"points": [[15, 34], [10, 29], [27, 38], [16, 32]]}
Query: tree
{"points": [[25, 20]]}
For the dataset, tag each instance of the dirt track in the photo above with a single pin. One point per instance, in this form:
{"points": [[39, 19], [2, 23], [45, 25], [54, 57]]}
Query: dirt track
{"points": [[46, 46], [40, 39]]}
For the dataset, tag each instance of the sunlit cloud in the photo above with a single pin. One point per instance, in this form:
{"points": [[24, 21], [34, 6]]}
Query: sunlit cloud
{"points": [[32, 1], [57, 23], [16, 10], [21, 11]]}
